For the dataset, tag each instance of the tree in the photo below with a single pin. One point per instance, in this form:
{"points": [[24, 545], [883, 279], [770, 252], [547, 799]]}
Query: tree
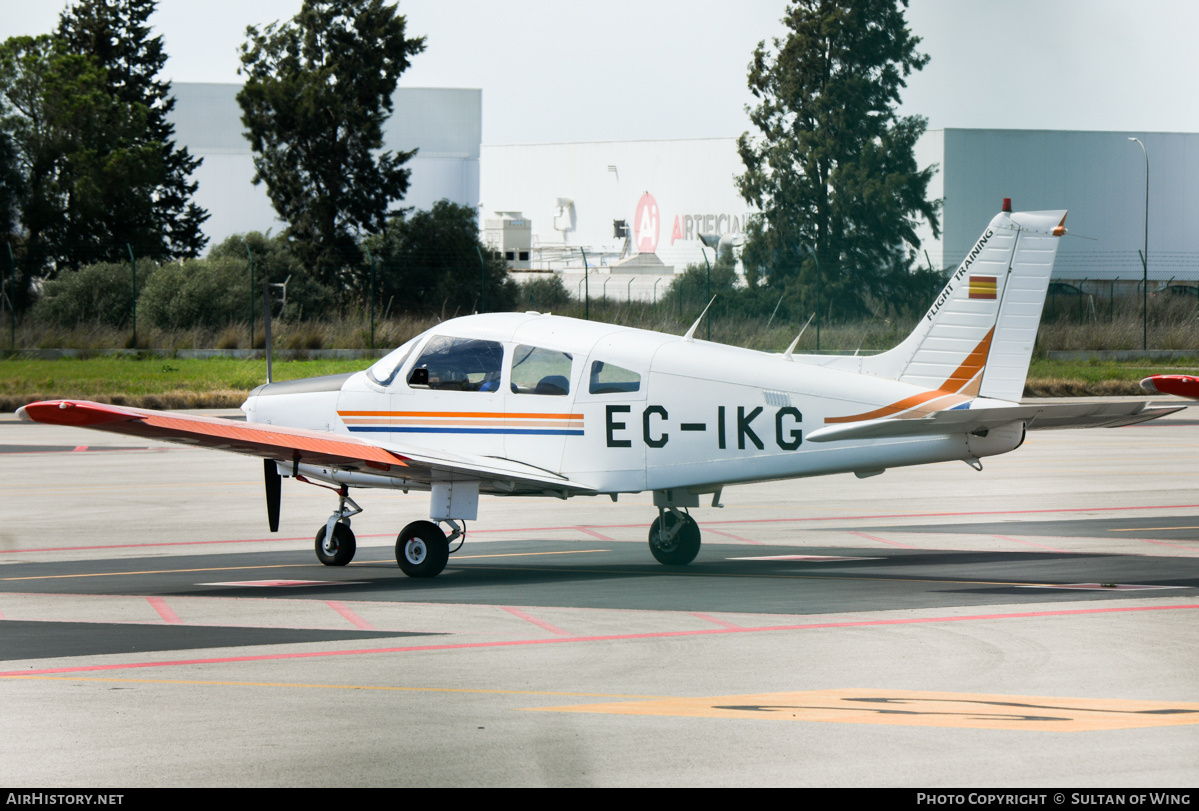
{"points": [[832, 169], [76, 153], [317, 93], [115, 33], [434, 261]]}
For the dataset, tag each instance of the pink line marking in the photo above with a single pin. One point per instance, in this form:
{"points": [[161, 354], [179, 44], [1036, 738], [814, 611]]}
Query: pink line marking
{"points": [[574, 639], [710, 618], [1164, 543], [734, 537], [707, 525], [164, 610], [79, 448], [1030, 543], [354, 619], [881, 540], [594, 533], [553, 629]]}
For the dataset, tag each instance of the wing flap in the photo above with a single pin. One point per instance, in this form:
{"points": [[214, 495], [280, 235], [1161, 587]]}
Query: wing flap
{"points": [[967, 421]]}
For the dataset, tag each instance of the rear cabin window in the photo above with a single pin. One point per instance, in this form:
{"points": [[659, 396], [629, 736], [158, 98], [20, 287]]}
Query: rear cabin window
{"points": [[541, 371], [607, 378], [458, 364]]}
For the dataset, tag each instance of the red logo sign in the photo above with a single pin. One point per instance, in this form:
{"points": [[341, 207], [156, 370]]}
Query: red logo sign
{"points": [[645, 224]]}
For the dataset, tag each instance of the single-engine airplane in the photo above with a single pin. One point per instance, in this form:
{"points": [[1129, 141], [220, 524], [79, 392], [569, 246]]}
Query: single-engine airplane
{"points": [[524, 404]]}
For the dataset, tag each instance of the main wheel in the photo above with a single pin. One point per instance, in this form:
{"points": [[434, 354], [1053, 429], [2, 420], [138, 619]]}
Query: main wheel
{"points": [[679, 550], [338, 550], [422, 550]]}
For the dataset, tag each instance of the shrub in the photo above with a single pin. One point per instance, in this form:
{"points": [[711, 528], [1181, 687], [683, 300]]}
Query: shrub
{"points": [[207, 293], [544, 294], [96, 294]]}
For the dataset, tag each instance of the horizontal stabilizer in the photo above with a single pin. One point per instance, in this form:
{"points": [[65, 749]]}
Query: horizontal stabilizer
{"points": [[969, 421]]}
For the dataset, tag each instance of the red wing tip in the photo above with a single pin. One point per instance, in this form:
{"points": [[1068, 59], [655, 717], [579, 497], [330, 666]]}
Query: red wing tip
{"points": [[1181, 385], [74, 412]]}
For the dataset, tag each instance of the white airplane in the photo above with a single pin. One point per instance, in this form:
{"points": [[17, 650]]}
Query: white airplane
{"points": [[513, 404]]}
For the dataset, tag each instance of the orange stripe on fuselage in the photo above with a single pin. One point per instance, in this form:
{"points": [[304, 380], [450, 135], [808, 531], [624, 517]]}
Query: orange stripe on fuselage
{"points": [[962, 379]]}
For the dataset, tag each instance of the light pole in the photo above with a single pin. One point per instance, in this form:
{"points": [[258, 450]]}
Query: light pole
{"points": [[704, 240], [1145, 257]]}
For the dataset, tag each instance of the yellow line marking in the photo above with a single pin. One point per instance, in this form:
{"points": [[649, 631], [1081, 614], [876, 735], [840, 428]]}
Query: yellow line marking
{"points": [[528, 554], [282, 566], [915, 708]]}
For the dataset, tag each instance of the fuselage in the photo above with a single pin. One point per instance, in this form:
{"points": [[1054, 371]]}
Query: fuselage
{"points": [[614, 409]]}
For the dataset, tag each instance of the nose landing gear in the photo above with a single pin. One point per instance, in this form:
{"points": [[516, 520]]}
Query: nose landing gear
{"points": [[335, 543]]}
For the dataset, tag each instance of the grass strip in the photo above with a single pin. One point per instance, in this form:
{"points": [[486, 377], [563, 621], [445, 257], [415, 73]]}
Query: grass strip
{"points": [[224, 383]]}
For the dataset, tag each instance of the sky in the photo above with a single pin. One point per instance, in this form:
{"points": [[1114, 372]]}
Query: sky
{"points": [[661, 69]]}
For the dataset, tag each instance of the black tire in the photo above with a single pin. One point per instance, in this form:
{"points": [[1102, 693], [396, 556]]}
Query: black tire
{"points": [[422, 549], [681, 549], [340, 551]]}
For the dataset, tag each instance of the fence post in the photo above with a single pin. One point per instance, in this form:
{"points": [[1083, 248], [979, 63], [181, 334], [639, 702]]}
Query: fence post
{"points": [[12, 297], [586, 287], [266, 326], [1145, 290], [482, 282], [133, 264], [370, 293]]}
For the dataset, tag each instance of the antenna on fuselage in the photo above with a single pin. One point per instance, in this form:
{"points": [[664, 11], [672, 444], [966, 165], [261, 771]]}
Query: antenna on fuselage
{"points": [[690, 336], [795, 343]]}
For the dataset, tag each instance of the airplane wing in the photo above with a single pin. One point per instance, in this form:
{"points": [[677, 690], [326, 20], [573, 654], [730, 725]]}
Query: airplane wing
{"points": [[967, 421], [296, 445]]}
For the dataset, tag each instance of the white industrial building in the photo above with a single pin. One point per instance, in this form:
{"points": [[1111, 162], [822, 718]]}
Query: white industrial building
{"points": [[561, 206], [446, 125], [1098, 176]]}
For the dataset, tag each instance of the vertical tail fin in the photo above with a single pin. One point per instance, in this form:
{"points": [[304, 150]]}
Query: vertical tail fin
{"points": [[977, 338]]}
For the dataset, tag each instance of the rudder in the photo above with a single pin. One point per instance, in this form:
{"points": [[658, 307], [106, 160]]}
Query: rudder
{"points": [[977, 338]]}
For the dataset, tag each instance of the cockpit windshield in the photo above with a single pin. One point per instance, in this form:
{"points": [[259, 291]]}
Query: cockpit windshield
{"points": [[385, 369]]}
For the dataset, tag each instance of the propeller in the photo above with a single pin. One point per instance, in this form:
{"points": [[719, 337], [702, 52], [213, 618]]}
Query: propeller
{"points": [[274, 486]]}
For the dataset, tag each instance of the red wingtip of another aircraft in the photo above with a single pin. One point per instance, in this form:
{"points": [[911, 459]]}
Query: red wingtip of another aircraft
{"points": [[1182, 385], [75, 412]]}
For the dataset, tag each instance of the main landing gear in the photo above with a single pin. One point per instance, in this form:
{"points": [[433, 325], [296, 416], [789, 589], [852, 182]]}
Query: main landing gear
{"points": [[422, 549], [674, 537]]}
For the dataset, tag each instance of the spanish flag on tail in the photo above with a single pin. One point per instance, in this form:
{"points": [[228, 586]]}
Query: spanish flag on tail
{"points": [[982, 287]]}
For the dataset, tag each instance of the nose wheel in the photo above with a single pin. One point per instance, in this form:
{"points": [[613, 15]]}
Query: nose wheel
{"points": [[336, 548], [335, 544]]}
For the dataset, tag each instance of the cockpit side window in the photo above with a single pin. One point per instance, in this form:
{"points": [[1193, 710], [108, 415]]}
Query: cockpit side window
{"points": [[607, 378], [386, 368], [541, 371], [458, 364]]}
